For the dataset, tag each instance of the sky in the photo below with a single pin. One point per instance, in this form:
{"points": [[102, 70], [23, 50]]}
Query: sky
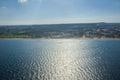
{"points": [[58, 11]]}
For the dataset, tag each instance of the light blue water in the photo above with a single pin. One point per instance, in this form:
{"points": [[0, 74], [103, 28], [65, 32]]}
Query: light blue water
{"points": [[59, 59]]}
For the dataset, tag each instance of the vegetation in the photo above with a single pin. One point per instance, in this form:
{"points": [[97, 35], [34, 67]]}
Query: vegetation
{"points": [[91, 30]]}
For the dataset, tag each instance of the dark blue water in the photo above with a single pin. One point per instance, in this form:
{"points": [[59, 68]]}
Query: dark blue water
{"points": [[59, 59]]}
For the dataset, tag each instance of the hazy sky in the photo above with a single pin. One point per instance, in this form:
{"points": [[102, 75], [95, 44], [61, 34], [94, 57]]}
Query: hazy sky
{"points": [[58, 11]]}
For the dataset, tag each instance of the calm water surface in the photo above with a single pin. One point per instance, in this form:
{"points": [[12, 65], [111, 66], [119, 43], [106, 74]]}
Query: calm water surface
{"points": [[59, 59]]}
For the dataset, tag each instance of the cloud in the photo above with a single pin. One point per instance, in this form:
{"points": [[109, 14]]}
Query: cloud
{"points": [[3, 7], [22, 1]]}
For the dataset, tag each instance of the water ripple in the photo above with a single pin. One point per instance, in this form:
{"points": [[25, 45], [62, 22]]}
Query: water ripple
{"points": [[59, 60]]}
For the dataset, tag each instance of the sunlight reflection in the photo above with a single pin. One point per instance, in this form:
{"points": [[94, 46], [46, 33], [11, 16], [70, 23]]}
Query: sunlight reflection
{"points": [[66, 61]]}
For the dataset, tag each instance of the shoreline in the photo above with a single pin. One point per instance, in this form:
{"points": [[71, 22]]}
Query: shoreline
{"points": [[59, 38]]}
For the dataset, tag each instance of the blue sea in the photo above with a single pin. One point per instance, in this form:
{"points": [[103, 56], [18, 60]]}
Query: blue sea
{"points": [[59, 59]]}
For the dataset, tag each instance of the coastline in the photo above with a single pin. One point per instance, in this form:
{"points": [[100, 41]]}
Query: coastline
{"points": [[59, 38]]}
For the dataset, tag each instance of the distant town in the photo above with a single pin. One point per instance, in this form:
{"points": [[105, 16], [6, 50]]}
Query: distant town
{"points": [[84, 30]]}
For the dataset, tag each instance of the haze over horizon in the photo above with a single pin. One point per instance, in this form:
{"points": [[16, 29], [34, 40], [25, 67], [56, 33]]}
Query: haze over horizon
{"points": [[58, 11]]}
